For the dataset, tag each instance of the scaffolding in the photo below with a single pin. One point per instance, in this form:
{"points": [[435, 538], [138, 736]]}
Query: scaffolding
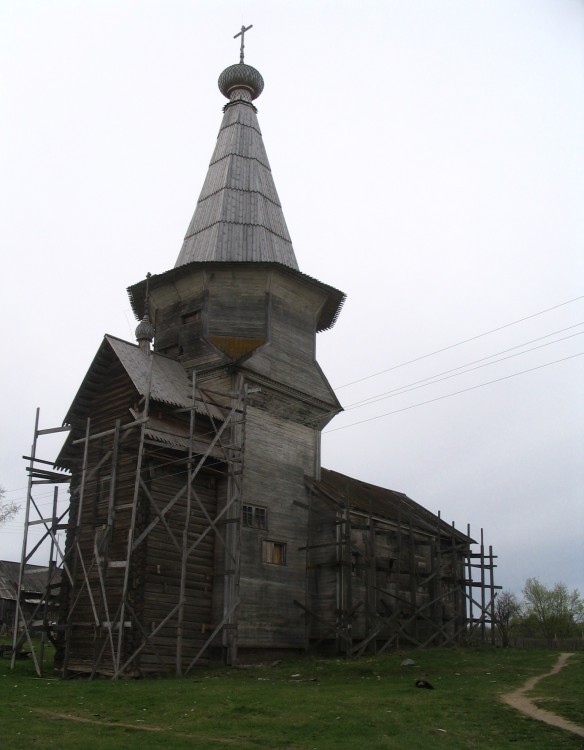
{"points": [[95, 577], [449, 601], [28, 622], [83, 573]]}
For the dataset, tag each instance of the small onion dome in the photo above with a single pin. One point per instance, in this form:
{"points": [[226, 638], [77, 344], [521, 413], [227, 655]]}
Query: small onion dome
{"points": [[241, 76], [145, 330]]}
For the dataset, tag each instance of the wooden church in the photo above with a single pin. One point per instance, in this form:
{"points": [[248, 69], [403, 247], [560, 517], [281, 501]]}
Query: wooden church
{"points": [[202, 526]]}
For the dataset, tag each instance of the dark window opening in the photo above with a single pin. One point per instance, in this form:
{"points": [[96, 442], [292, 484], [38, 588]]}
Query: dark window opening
{"points": [[357, 566], [254, 517], [173, 350], [192, 317]]}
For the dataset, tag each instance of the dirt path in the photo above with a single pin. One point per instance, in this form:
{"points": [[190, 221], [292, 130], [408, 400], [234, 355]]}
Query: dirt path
{"points": [[518, 699], [87, 720]]}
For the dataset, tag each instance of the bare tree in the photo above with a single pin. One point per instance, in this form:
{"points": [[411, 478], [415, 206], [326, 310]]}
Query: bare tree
{"points": [[7, 509], [556, 612], [507, 607]]}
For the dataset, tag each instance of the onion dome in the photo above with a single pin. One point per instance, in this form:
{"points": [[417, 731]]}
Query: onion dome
{"points": [[145, 331], [241, 81]]}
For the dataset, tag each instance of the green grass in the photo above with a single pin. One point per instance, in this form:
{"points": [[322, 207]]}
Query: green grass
{"points": [[308, 703], [564, 693]]}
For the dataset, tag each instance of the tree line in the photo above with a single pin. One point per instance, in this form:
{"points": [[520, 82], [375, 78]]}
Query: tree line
{"points": [[546, 613]]}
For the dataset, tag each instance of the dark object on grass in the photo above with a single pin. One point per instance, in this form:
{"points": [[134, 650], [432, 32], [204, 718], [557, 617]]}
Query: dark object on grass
{"points": [[6, 650], [424, 684]]}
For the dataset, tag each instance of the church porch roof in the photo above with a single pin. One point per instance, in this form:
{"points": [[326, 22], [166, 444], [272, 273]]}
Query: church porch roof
{"points": [[165, 379]]}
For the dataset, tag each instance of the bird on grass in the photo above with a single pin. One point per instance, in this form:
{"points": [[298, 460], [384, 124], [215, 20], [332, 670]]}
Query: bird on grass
{"points": [[424, 684]]}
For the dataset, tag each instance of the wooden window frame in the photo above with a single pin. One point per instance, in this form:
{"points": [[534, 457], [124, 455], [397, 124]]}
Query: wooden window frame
{"points": [[254, 517], [274, 553]]}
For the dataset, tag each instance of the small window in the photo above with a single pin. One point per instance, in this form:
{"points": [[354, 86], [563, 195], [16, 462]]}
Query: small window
{"points": [[104, 487], [173, 350], [254, 516], [192, 317], [101, 500], [273, 553], [356, 564]]}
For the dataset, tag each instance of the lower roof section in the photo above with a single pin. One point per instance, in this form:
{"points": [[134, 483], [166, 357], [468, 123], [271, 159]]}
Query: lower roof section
{"points": [[344, 491]]}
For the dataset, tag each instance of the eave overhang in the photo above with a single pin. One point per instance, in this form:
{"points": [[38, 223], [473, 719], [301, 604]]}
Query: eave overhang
{"points": [[360, 496], [328, 315]]}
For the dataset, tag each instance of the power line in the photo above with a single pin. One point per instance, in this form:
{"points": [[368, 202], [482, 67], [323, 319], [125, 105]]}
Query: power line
{"points": [[434, 378], [459, 343], [453, 374], [456, 393]]}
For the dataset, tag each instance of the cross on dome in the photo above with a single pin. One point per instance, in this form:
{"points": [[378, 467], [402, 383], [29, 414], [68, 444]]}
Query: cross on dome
{"points": [[242, 35], [241, 81]]}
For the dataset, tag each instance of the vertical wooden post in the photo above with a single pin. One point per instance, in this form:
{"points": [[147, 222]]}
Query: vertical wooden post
{"points": [[483, 597], [233, 529], [439, 582], [128, 561], [18, 614], [307, 570], [413, 576], [49, 576], [492, 594], [347, 565], [185, 534], [459, 604], [132, 528], [371, 580], [469, 585], [113, 477], [101, 551], [74, 545], [399, 568]]}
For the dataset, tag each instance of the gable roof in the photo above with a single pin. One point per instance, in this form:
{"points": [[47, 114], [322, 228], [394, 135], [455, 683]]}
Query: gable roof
{"points": [[34, 579], [369, 498], [166, 379]]}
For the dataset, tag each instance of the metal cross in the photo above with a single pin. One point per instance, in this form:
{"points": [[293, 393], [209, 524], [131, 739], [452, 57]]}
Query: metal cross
{"points": [[242, 35]]}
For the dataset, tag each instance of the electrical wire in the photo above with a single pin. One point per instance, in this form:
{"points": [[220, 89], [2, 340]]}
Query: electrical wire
{"points": [[449, 374], [374, 399], [413, 386], [456, 393], [459, 343]]}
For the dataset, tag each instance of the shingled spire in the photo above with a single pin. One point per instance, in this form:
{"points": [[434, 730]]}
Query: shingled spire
{"points": [[238, 215]]}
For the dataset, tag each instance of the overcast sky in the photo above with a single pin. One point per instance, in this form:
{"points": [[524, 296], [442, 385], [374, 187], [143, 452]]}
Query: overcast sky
{"points": [[429, 156]]}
